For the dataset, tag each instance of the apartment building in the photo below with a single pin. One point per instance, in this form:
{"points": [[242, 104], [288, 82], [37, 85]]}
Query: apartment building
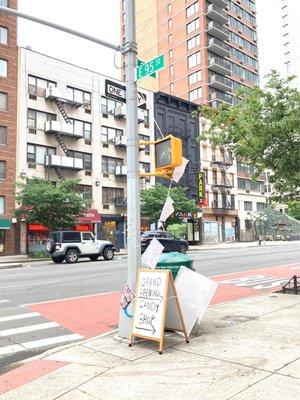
{"points": [[210, 47], [72, 125], [8, 128], [220, 201]]}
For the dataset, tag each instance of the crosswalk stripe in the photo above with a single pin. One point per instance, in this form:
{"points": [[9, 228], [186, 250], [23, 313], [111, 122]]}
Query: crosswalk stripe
{"points": [[11, 349], [53, 340], [19, 316], [4, 301], [28, 328]]}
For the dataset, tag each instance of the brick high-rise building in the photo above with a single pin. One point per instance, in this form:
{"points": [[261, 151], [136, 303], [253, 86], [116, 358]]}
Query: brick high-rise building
{"points": [[209, 46], [8, 127]]}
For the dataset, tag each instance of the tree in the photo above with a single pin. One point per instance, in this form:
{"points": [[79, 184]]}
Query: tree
{"points": [[293, 209], [56, 207], [153, 200], [262, 129]]}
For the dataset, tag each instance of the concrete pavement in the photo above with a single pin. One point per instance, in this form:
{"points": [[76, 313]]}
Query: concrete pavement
{"points": [[246, 349]]}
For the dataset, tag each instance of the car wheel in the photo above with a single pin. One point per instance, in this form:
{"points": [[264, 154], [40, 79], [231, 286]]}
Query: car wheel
{"points": [[72, 256], [108, 253], [183, 248], [58, 259], [94, 258], [50, 246]]}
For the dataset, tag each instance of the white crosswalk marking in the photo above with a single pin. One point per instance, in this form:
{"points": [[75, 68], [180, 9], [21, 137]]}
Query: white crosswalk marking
{"points": [[19, 316], [4, 301], [30, 328], [49, 341], [256, 281]]}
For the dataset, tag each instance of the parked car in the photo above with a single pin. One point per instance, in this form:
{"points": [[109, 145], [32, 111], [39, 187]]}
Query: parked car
{"points": [[169, 241], [71, 245]]}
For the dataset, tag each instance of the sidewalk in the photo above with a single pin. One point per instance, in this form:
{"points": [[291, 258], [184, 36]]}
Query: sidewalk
{"points": [[245, 350], [20, 259]]}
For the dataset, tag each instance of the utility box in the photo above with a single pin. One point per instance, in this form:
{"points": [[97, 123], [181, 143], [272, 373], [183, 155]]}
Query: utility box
{"points": [[173, 261]]}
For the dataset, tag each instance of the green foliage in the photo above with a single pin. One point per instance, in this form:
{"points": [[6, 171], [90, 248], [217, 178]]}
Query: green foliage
{"points": [[153, 200], [56, 207], [293, 209], [262, 129]]}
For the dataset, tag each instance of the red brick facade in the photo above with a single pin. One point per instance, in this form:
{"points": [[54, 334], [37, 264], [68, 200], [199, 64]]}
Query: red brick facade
{"points": [[8, 119]]}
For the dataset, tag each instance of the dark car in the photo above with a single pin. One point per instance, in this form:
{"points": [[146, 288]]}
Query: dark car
{"points": [[169, 241]]}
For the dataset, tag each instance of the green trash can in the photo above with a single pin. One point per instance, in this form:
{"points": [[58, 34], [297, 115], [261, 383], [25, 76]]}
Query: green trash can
{"points": [[173, 261]]}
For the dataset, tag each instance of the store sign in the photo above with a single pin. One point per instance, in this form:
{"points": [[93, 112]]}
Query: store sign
{"points": [[117, 92], [83, 228], [90, 216], [37, 227], [201, 187]]}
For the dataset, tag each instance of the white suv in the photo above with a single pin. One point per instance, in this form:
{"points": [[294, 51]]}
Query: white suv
{"points": [[70, 245]]}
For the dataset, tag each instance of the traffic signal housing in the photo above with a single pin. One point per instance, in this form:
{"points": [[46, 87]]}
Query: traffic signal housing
{"points": [[168, 155]]}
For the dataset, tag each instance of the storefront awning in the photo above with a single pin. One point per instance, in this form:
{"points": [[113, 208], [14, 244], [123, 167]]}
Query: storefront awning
{"points": [[5, 223], [90, 216]]}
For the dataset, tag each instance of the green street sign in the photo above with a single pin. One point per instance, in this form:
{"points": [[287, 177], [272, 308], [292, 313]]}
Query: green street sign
{"points": [[150, 67], [140, 62]]}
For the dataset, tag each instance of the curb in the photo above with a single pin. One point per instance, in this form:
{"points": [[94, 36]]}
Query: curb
{"points": [[11, 265]]}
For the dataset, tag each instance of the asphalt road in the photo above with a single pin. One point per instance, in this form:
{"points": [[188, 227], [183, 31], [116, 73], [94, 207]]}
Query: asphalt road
{"points": [[48, 281], [24, 333]]}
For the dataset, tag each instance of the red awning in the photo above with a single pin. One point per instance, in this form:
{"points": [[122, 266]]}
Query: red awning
{"points": [[90, 216]]}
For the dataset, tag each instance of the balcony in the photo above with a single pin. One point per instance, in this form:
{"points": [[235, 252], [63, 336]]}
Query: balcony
{"points": [[217, 14], [63, 129], [55, 94], [220, 3], [121, 170], [215, 29], [221, 184], [220, 97], [218, 47], [222, 205], [220, 82], [219, 65], [221, 159], [64, 162], [121, 141]]}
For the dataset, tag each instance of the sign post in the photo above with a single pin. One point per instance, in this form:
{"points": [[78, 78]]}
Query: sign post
{"points": [[148, 68]]}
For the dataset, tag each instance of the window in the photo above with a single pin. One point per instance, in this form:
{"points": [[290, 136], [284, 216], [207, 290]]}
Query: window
{"points": [[85, 157], [82, 127], [4, 3], [146, 147], [85, 190], [171, 70], [108, 134], [248, 205], [246, 168], [248, 224], [2, 170], [192, 9], [170, 38], [37, 86], [81, 96], [109, 194], [36, 119], [169, 8], [192, 26], [195, 94], [260, 206], [2, 204], [36, 154], [3, 101], [171, 53], [204, 152], [3, 134], [71, 237], [87, 236], [170, 23], [3, 68], [109, 164], [194, 59], [108, 105], [145, 166], [194, 77], [171, 87], [3, 35], [193, 42]]}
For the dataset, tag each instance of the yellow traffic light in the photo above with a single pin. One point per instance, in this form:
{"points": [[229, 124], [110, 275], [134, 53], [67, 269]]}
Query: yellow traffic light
{"points": [[168, 154]]}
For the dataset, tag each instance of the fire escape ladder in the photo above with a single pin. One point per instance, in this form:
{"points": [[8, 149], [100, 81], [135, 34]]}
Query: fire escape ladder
{"points": [[60, 106], [62, 144], [226, 159], [59, 173]]}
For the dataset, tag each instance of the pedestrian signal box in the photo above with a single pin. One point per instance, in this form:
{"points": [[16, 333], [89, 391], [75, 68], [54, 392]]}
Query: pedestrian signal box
{"points": [[168, 154]]}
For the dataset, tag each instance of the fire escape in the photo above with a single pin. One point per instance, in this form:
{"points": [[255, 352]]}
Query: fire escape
{"points": [[223, 161], [60, 99]]}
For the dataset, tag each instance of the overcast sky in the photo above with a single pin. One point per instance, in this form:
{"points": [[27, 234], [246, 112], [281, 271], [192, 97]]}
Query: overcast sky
{"points": [[101, 18]]}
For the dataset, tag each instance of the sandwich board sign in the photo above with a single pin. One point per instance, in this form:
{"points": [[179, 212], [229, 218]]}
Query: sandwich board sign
{"points": [[156, 299]]}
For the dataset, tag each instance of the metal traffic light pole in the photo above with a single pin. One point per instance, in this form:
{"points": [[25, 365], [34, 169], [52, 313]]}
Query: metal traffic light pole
{"points": [[133, 189]]}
